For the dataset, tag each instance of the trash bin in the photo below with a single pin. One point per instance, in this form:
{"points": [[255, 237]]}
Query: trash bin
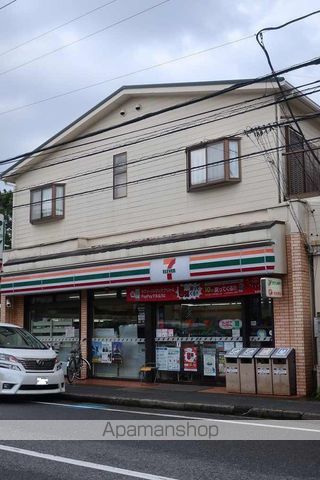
{"points": [[232, 370], [284, 371], [264, 371], [247, 370]]}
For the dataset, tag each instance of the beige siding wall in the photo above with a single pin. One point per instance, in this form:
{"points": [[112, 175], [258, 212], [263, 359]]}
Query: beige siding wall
{"points": [[164, 201]]}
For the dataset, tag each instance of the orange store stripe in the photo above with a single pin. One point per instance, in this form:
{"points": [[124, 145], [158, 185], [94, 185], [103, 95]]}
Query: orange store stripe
{"points": [[231, 254], [64, 273]]}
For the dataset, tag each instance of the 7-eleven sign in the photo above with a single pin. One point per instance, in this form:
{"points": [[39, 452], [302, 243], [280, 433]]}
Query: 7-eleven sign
{"points": [[170, 269]]}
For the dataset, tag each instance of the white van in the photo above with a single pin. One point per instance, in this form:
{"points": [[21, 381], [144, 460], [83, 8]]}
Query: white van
{"points": [[27, 366]]}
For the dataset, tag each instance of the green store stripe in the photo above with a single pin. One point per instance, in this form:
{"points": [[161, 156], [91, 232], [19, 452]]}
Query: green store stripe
{"points": [[220, 263], [130, 273], [271, 259], [76, 278], [231, 263]]}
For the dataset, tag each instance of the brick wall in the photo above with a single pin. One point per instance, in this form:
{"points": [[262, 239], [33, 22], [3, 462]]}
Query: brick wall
{"points": [[293, 312], [15, 313]]}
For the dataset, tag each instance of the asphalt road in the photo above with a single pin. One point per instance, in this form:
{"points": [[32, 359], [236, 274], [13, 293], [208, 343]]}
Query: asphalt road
{"points": [[152, 460]]}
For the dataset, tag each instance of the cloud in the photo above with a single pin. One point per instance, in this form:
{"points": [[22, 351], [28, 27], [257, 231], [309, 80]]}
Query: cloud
{"points": [[177, 28]]}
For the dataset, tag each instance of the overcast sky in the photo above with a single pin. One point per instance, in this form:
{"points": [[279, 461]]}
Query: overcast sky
{"points": [[174, 29]]}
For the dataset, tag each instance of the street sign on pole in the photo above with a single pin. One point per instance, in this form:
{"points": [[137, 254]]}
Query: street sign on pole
{"points": [[271, 287]]}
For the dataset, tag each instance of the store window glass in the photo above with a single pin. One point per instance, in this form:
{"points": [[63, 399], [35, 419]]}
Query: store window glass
{"points": [[201, 319], [118, 348], [261, 322], [55, 319], [192, 339]]}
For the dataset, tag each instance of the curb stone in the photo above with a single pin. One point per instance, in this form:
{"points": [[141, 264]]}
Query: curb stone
{"points": [[245, 411], [274, 414], [311, 416]]}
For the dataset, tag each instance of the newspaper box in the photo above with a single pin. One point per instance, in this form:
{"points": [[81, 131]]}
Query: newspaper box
{"points": [[247, 370], [232, 370], [264, 371], [284, 371]]}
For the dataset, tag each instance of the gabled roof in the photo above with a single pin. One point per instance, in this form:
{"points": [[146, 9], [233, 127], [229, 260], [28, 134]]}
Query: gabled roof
{"points": [[72, 130]]}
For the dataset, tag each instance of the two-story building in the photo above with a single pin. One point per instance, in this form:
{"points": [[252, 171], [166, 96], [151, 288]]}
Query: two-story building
{"points": [[148, 234]]}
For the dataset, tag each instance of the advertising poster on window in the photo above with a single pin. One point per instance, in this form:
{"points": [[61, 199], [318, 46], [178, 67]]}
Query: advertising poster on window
{"points": [[173, 359], [101, 351], [162, 358], [117, 352], [190, 359], [222, 363], [106, 354], [69, 332], [209, 362], [96, 347]]}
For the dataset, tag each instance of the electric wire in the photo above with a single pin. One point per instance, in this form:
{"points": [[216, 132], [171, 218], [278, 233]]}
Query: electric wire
{"points": [[259, 38], [7, 4], [62, 47], [41, 35], [147, 159], [151, 178], [136, 141], [233, 87], [125, 75]]}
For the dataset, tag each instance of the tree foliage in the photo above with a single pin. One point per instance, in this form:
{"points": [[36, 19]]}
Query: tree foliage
{"points": [[6, 210]]}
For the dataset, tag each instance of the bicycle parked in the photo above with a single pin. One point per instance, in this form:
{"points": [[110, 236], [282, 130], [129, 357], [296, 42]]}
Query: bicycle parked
{"points": [[76, 363]]}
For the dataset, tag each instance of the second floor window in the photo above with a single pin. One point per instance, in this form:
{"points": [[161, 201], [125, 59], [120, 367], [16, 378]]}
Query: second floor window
{"points": [[303, 169], [47, 203], [214, 163], [120, 175]]}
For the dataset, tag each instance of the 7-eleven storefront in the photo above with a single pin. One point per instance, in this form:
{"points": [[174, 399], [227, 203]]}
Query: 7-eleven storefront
{"points": [[182, 312], [170, 311]]}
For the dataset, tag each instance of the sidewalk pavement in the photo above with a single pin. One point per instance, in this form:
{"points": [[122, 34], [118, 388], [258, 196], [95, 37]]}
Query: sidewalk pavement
{"points": [[192, 398]]}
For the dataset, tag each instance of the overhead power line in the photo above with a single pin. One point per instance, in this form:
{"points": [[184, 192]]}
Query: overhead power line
{"points": [[158, 176], [125, 75], [41, 35], [111, 25], [259, 38], [7, 4], [163, 133], [235, 86], [146, 159]]}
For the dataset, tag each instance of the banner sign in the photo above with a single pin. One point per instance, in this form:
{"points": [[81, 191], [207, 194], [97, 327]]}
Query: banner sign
{"points": [[194, 291], [209, 362], [271, 287], [190, 359]]}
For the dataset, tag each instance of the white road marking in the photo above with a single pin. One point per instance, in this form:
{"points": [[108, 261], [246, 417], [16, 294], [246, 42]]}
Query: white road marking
{"points": [[81, 463], [168, 415]]}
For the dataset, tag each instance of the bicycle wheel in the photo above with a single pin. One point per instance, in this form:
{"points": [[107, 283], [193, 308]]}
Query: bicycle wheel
{"points": [[84, 363], [72, 371]]}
